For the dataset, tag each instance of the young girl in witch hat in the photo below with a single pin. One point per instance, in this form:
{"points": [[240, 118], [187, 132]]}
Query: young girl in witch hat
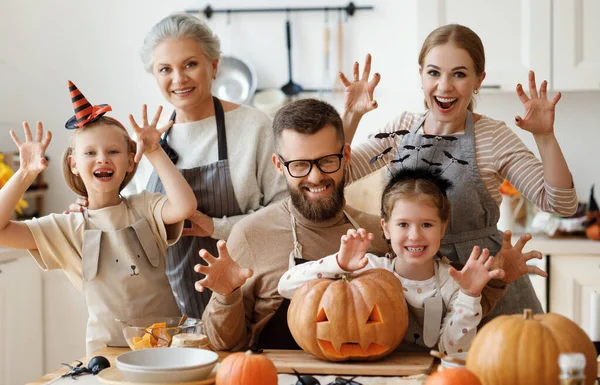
{"points": [[444, 303], [114, 251]]}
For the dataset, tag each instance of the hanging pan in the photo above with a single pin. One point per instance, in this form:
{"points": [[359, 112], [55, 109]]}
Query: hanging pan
{"points": [[235, 81]]}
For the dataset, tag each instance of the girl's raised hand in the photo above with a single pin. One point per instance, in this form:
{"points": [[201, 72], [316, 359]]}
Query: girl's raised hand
{"points": [[476, 273], [539, 111], [222, 275], [148, 135], [32, 151], [359, 92], [353, 247]]}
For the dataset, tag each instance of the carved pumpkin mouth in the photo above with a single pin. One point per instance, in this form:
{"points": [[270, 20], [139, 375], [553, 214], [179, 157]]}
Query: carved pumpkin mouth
{"points": [[350, 349]]}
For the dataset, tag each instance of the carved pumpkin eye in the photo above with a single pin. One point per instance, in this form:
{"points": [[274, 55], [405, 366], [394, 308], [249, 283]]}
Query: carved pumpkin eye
{"points": [[322, 317], [375, 316]]}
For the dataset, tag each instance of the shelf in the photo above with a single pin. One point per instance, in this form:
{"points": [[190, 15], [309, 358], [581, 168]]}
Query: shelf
{"points": [[34, 193]]}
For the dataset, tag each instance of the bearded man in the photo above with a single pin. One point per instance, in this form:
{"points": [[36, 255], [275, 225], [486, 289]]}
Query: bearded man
{"points": [[313, 156], [245, 309]]}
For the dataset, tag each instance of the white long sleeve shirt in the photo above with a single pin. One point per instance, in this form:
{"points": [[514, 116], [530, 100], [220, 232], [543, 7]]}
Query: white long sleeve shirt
{"points": [[463, 312]]}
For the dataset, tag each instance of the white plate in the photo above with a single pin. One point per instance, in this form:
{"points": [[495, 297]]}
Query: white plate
{"points": [[164, 365]]}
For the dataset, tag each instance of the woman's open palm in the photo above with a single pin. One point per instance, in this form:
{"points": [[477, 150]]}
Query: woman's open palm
{"points": [[539, 111], [359, 92]]}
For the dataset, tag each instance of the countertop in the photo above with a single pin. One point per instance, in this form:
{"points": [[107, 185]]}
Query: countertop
{"points": [[7, 254], [561, 245], [112, 353]]}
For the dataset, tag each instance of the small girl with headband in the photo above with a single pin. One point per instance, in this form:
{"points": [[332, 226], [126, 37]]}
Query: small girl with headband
{"points": [[444, 303], [114, 252]]}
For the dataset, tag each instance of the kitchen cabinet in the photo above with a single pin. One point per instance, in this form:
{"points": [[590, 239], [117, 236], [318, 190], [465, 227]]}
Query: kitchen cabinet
{"points": [[576, 52], [21, 321], [573, 278], [573, 266], [555, 39], [65, 320]]}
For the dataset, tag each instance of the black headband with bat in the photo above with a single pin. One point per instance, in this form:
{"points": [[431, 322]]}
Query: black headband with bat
{"points": [[404, 152], [421, 173]]}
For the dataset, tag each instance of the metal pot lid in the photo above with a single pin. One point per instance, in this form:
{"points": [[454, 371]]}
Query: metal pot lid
{"points": [[235, 81]]}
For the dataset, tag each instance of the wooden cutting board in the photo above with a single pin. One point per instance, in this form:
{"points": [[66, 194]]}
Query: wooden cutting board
{"points": [[396, 364]]}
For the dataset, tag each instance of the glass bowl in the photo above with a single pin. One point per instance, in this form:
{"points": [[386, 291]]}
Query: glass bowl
{"points": [[157, 332]]}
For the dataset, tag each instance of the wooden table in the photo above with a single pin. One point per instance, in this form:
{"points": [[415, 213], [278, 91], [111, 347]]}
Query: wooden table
{"points": [[397, 365], [112, 353]]}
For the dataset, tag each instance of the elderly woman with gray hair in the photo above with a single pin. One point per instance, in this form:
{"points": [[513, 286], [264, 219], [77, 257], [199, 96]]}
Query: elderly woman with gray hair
{"points": [[222, 149]]}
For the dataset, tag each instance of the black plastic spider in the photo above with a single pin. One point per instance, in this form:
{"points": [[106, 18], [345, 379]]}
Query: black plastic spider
{"points": [[310, 380], [344, 381], [94, 367]]}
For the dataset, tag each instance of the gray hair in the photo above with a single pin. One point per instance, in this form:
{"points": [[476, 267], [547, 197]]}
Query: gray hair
{"points": [[180, 26]]}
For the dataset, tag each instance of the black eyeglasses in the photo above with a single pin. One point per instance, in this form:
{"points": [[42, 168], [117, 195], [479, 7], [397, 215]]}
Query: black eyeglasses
{"points": [[328, 164]]}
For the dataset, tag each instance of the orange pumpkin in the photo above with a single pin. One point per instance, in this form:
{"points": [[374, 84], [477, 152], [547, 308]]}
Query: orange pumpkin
{"points": [[593, 230], [363, 317], [246, 369], [523, 349], [453, 376]]}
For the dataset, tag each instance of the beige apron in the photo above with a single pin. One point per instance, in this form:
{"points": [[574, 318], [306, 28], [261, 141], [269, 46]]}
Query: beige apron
{"points": [[123, 277], [276, 333]]}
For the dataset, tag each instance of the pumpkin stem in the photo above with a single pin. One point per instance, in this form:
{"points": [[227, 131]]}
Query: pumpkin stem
{"points": [[346, 277], [251, 352], [527, 314]]}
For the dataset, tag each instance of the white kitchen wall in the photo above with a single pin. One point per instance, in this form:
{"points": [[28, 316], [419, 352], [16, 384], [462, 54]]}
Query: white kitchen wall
{"points": [[95, 44]]}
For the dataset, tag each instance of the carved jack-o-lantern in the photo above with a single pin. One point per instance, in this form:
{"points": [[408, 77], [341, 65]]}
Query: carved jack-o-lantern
{"points": [[363, 317]]}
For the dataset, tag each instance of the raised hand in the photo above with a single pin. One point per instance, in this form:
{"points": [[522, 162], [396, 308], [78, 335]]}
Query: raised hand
{"points": [[32, 152], [513, 261], [148, 135], [539, 111], [202, 226], [223, 274], [359, 92], [476, 273], [353, 247]]}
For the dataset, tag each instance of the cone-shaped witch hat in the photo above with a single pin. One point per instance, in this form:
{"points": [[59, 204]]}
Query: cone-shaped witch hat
{"points": [[85, 113], [593, 205]]}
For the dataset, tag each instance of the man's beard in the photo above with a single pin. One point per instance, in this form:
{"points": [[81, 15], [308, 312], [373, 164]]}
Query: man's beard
{"points": [[318, 210]]}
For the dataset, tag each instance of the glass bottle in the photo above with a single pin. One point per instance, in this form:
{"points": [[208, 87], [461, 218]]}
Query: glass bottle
{"points": [[572, 366]]}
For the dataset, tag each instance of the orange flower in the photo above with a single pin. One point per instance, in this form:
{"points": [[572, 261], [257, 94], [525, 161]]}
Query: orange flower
{"points": [[508, 189], [5, 174]]}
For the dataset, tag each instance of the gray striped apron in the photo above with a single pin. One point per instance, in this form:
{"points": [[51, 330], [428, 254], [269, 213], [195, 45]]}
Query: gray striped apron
{"points": [[216, 198], [474, 213]]}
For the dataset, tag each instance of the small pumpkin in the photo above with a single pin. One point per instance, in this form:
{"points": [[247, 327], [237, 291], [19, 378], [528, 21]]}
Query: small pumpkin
{"points": [[453, 376], [523, 349], [362, 317], [246, 369]]}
